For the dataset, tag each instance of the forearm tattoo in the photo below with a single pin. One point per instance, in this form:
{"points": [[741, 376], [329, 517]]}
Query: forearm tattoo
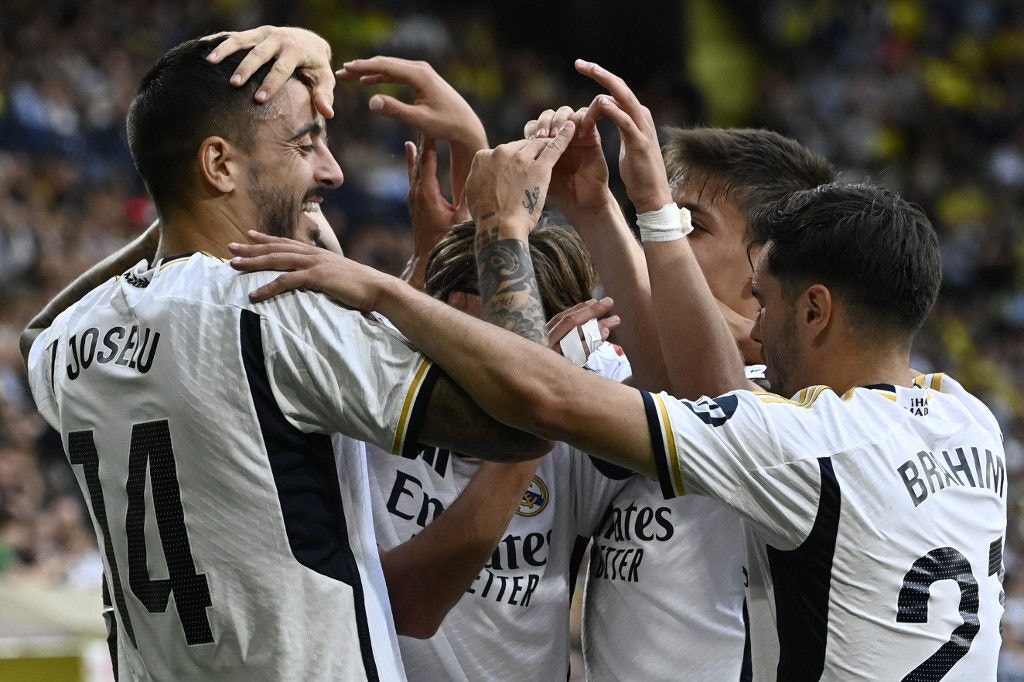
{"points": [[509, 296]]}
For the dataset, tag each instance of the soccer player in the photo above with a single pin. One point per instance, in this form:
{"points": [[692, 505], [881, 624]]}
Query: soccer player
{"points": [[524, 591], [200, 425], [874, 499], [693, 544]]}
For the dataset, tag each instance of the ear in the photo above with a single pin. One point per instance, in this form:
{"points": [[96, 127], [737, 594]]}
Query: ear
{"points": [[218, 167], [817, 310]]}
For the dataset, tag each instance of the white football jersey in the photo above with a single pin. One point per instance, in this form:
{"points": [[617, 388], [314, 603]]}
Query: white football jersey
{"points": [[875, 523], [513, 621], [237, 541], [665, 587]]}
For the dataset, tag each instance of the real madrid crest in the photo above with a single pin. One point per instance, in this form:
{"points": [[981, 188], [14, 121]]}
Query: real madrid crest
{"points": [[535, 499]]}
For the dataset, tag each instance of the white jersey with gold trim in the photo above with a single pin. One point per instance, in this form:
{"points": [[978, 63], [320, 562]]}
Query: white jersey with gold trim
{"points": [[875, 523], [665, 587], [236, 538], [513, 621]]}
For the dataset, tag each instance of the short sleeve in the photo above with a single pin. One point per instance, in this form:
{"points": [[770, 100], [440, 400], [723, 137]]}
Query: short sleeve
{"points": [[756, 453], [334, 369], [41, 359]]}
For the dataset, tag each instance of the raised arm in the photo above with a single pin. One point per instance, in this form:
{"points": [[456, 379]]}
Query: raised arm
{"points": [[437, 112], [697, 344], [579, 188], [143, 246]]}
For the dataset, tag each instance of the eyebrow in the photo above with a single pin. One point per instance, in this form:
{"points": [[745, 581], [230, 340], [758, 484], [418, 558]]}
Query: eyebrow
{"points": [[312, 128]]}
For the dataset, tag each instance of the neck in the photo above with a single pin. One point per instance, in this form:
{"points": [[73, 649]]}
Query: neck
{"points": [[869, 369], [204, 229]]}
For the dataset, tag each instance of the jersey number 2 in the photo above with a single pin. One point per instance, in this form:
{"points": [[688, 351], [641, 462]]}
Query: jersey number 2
{"points": [[150, 449], [943, 563]]}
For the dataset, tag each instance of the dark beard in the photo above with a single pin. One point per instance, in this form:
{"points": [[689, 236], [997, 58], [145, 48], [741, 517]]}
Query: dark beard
{"points": [[277, 215]]}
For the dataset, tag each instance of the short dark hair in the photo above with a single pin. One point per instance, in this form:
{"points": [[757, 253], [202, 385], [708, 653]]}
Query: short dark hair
{"points": [[866, 242], [180, 102], [561, 262], [750, 166]]}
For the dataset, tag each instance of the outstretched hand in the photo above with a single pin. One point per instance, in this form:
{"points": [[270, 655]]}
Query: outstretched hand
{"points": [[640, 162], [309, 267], [437, 110], [292, 48], [430, 213]]}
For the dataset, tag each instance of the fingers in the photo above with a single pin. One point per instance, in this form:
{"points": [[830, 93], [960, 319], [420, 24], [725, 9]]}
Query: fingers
{"points": [[604, 106], [323, 93], [286, 282], [389, 107], [423, 174], [291, 48], [555, 147], [579, 314], [548, 123], [263, 238], [612, 83], [279, 74], [428, 157], [411, 167], [383, 69], [608, 325], [235, 41]]}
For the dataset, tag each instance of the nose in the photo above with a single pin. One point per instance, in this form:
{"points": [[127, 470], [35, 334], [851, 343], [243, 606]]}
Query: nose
{"points": [[328, 172], [755, 330]]}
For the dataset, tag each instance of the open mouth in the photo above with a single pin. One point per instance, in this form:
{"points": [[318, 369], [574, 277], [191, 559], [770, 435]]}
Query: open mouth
{"points": [[310, 207]]}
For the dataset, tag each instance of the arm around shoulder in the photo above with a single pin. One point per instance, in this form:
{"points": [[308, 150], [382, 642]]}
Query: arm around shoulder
{"points": [[143, 246]]}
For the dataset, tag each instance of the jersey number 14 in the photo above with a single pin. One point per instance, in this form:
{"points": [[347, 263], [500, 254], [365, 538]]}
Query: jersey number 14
{"points": [[150, 449]]}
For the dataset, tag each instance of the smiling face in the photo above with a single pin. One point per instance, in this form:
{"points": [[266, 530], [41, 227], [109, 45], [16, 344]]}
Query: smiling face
{"points": [[289, 167]]}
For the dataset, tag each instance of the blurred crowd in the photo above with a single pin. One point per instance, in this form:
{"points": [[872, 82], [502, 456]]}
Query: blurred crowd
{"points": [[925, 96]]}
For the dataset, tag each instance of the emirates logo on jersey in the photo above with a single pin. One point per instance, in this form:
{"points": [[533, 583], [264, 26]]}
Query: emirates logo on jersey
{"points": [[535, 499]]}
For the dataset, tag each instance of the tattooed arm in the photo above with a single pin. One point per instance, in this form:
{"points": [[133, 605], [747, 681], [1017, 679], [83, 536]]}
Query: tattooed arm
{"points": [[143, 246], [505, 192]]}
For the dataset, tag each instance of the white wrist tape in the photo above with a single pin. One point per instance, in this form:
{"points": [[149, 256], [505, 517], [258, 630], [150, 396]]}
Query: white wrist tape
{"points": [[577, 350], [666, 224]]}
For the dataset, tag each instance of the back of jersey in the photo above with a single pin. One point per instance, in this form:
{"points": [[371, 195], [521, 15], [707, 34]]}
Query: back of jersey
{"points": [[912, 502], [227, 548], [875, 524]]}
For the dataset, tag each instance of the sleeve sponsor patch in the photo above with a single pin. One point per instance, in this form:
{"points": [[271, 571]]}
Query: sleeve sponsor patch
{"points": [[714, 412]]}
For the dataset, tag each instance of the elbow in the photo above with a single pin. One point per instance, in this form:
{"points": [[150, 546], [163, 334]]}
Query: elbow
{"points": [[530, 447], [28, 336], [417, 628], [545, 415]]}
